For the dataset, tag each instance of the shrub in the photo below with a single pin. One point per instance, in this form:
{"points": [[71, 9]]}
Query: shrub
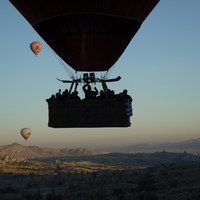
{"points": [[1, 170]]}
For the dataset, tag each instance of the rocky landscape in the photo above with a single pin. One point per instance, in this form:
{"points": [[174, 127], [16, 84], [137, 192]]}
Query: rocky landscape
{"points": [[81, 174]]}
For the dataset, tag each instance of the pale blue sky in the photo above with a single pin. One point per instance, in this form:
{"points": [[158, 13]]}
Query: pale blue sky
{"points": [[160, 68]]}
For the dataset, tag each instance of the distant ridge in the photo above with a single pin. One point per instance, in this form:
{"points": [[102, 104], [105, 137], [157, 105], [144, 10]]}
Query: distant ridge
{"points": [[190, 146], [18, 150]]}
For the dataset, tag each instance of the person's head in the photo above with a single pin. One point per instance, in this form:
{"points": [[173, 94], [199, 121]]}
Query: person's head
{"points": [[125, 92], [66, 91]]}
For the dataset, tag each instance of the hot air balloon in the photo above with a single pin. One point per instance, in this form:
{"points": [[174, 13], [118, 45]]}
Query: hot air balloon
{"points": [[25, 132], [36, 47], [90, 36]]}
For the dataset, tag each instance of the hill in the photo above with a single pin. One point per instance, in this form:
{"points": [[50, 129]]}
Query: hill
{"points": [[86, 174], [18, 150]]}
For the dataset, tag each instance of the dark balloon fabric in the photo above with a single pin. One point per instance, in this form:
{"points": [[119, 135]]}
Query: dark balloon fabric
{"points": [[89, 35]]}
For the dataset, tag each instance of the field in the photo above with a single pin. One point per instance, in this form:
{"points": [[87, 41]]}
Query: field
{"points": [[159, 175]]}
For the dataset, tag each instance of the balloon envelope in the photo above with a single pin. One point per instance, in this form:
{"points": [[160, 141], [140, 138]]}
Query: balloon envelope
{"points": [[26, 132], [89, 35], [36, 47]]}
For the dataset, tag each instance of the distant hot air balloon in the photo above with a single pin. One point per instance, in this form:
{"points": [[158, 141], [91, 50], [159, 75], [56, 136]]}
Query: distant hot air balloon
{"points": [[26, 132], [36, 47]]}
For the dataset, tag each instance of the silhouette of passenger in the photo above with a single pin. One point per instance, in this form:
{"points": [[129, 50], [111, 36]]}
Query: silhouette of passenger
{"points": [[74, 96], [51, 98], [65, 94], [111, 94], [58, 94], [102, 95], [125, 95], [128, 102], [89, 93]]}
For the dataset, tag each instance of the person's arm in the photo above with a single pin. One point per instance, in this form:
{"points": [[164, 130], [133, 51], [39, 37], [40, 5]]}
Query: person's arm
{"points": [[84, 87]]}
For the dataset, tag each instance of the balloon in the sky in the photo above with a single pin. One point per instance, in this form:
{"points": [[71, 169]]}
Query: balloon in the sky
{"points": [[89, 35], [36, 47], [26, 132]]}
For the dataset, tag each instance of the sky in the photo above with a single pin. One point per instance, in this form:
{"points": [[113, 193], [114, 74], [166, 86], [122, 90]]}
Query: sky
{"points": [[160, 68]]}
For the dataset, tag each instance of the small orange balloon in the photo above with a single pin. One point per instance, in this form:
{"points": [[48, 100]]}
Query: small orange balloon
{"points": [[36, 47]]}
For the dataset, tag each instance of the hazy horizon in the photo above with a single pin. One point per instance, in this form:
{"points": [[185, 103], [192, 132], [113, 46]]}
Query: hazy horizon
{"points": [[90, 146]]}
